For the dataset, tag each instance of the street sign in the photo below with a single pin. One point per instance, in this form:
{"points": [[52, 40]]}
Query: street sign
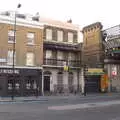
{"points": [[66, 68], [114, 71], [95, 71]]}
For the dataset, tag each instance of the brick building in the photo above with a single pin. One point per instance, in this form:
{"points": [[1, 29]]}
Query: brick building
{"points": [[62, 56], [111, 42], [28, 54], [93, 56], [92, 41], [47, 55]]}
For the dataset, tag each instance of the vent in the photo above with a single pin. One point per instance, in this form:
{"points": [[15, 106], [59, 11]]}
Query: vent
{"points": [[69, 21]]}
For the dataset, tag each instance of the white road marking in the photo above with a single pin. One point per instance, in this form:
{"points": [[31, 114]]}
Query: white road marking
{"points": [[85, 105], [117, 118]]}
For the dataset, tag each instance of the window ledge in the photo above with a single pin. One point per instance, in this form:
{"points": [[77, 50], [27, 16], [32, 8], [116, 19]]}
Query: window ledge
{"points": [[30, 44], [11, 42]]}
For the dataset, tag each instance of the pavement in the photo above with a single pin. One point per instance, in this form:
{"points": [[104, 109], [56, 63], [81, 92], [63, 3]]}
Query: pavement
{"points": [[59, 97]]}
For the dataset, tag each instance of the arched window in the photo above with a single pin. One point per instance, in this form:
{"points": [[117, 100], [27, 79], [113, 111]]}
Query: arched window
{"points": [[70, 81], [60, 78], [70, 78], [60, 82]]}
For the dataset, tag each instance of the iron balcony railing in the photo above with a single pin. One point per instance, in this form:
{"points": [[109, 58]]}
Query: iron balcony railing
{"points": [[58, 62]]}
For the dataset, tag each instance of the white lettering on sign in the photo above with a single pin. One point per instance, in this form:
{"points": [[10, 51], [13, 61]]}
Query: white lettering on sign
{"points": [[9, 71]]}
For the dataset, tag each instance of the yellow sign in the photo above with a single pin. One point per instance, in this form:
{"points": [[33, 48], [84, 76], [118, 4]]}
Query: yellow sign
{"points": [[66, 68], [95, 70]]}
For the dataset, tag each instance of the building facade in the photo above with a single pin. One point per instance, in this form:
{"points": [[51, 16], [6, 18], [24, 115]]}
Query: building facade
{"points": [[111, 42], [92, 42], [28, 58], [93, 56], [61, 57]]}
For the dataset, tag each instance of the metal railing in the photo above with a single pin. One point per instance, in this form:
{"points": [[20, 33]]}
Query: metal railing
{"points": [[58, 62], [65, 88]]}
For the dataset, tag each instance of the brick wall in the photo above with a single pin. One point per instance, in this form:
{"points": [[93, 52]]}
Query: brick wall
{"points": [[21, 43]]}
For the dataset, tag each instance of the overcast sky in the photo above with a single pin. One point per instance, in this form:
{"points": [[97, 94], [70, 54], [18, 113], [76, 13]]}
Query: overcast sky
{"points": [[82, 12]]}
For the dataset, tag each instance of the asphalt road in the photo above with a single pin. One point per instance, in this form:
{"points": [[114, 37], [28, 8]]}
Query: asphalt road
{"points": [[41, 111]]}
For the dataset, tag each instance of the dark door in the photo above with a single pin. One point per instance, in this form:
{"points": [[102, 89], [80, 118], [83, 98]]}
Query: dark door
{"points": [[3, 87], [92, 83], [46, 83]]}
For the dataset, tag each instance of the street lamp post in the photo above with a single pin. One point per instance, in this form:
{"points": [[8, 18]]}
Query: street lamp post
{"points": [[13, 65], [85, 69]]}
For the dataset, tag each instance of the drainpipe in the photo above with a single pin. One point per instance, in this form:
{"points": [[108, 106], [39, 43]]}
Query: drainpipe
{"points": [[42, 83], [78, 87], [82, 80]]}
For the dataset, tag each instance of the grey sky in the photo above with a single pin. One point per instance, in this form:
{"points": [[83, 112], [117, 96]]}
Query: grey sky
{"points": [[82, 12]]}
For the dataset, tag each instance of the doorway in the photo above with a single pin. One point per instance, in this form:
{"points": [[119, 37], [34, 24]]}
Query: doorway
{"points": [[46, 83], [92, 83], [2, 85]]}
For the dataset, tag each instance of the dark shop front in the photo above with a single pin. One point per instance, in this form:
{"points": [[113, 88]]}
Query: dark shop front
{"points": [[24, 81]]}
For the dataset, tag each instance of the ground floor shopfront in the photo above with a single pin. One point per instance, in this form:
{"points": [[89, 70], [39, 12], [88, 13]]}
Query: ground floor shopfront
{"points": [[57, 80], [24, 81], [92, 83], [60, 81], [113, 70]]}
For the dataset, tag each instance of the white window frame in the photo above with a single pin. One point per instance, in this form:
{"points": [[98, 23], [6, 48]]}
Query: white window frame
{"points": [[9, 86], [34, 85], [48, 54], [17, 86], [30, 38], [30, 59], [60, 79], [59, 55], [70, 37], [11, 36], [48, 34], [28, 86], [60, 36], [71, 56], [10, 58]]}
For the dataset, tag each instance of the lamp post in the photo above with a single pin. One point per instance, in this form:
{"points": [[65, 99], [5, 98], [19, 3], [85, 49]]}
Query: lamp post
{"points": [[85, 69], [13, 65]]}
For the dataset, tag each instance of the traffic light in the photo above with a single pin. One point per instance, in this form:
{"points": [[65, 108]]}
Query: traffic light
{"points": [[85, 68]]}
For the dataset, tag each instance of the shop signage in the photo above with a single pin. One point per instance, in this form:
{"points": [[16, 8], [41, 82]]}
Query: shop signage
{"points": [[95, 70], [9, 71]]}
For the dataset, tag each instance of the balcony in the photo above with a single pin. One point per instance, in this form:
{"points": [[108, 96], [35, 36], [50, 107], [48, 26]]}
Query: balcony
{"points": [[61, 63], [62, 46]]}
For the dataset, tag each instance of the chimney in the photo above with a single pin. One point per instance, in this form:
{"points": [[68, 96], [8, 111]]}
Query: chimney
{"points": [[70, 20]]}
